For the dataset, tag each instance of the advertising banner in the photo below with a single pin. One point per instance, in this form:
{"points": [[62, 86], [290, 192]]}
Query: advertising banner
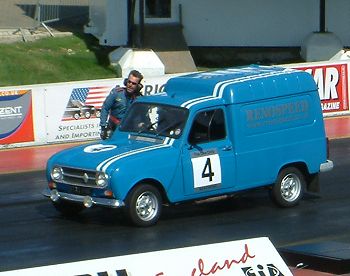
{"points": [[253, 257], [333, 84], [73, 111], [16, 116], [69, 112]]}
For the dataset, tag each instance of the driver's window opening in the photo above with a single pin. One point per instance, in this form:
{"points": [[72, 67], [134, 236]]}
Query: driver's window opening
{"points": [[158, 8], [208, 126]]}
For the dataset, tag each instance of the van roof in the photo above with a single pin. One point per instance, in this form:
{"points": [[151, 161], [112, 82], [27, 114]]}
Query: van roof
{"points": [[240, 84]]}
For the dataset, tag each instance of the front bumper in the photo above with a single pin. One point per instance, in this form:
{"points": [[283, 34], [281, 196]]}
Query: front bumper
{"points": [[87, 201]]}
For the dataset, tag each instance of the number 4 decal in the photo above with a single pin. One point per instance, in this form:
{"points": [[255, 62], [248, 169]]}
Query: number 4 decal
{"points": [[206, 170]]}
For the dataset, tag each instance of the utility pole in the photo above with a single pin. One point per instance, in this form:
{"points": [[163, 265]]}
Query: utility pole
{"points": [[141, 23], [322, 16]]}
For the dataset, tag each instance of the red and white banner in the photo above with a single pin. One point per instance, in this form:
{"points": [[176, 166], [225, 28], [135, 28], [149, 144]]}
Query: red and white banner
{"points": [[333, 85], [16, 116], [69, 112], [251, 257]]}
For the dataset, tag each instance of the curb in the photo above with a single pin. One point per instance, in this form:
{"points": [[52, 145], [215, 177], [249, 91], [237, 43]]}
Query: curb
{"points": [[8, 36]]}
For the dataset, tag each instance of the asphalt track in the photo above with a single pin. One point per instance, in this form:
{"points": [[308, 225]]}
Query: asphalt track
{"points": [[26, 159], [32, 233]]}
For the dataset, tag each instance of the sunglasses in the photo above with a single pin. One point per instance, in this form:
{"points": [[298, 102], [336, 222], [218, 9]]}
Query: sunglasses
{"points": [[132, 82]]}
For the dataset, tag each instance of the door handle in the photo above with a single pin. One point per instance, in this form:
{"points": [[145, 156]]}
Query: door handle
{"points": [[227, 148]]}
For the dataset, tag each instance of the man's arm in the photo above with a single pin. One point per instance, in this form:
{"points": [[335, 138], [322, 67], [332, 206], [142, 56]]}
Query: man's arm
{"points": [[106, 107]]}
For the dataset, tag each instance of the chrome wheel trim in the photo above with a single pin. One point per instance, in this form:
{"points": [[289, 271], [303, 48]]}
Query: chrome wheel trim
{"points": [[290, 187], [147, 206]]}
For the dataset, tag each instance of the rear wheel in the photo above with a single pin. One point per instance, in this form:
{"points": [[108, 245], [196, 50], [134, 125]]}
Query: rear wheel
{"points": [[289, 187], [144, 205]]}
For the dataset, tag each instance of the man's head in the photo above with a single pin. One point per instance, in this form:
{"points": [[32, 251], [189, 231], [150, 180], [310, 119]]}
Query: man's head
{"points": [[133, 82]]}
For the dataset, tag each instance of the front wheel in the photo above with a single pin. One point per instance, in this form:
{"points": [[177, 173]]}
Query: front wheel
{"points": [[144, 205], [289, 187]]}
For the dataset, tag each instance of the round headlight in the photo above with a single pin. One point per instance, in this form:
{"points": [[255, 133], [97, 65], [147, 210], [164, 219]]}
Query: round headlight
{"points": [[101, 179], [57, 173]]}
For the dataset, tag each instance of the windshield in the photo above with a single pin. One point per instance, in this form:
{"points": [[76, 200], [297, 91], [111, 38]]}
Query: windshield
{"points": [[156, 119]]}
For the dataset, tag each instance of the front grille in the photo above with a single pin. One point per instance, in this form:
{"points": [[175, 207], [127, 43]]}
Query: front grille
{"points": [[76, 190], [79, 177]]}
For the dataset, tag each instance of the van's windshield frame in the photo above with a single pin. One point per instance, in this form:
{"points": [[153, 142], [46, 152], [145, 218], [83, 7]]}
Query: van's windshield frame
{"points": [[155, 119]]}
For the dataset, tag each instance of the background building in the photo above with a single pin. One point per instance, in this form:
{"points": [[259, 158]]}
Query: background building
{"points": [[220, 32], [271, 30]]}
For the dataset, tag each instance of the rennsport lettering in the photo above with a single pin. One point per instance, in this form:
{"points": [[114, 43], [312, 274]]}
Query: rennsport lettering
{"points": [[281, 110]]}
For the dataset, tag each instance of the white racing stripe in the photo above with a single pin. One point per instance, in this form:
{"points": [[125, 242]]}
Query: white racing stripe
{"points": [[103, 166], [185, 104], [219, 91], [201, 101], [220, 87]]}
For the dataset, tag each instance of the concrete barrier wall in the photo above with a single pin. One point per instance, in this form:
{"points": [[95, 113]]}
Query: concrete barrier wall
{"points": [[58, 112], [69, 112]]}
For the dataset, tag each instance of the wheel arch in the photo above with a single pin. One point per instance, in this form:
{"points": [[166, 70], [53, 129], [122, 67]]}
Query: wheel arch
{"points": [[311, 179], [301, 166], [153, 182]]}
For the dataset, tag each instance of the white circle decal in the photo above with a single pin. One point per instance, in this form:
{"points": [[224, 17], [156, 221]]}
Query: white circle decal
{"points": [[99, 148]]}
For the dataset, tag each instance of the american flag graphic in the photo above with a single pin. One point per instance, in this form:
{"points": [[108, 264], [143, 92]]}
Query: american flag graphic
{"points": [[85, 102], [91, 95]]}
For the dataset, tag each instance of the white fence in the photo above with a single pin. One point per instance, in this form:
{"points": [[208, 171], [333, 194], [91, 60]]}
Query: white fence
{"points": [[28, 14]]}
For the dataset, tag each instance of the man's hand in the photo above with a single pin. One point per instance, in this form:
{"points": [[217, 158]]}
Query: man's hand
{"points": [[103, 133]]}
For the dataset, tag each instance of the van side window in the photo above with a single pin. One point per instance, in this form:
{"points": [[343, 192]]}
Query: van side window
{"points": [[208, 126]]}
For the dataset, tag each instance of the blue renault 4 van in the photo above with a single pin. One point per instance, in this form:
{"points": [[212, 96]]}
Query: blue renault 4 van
{"points": [[209, 134]]}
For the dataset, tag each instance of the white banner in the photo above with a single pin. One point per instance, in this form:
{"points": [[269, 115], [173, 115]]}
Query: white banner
{"points": [[67, 112], [253, 257], [73, 111]]}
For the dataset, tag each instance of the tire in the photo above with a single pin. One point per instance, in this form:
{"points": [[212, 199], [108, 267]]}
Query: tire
{"points": [[87, 115], [68, 209], [144, 205], [76, 116], [289, 187]]}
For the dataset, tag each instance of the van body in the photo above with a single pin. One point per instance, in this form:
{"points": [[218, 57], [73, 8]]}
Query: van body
{"points": [[207, 135]]}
